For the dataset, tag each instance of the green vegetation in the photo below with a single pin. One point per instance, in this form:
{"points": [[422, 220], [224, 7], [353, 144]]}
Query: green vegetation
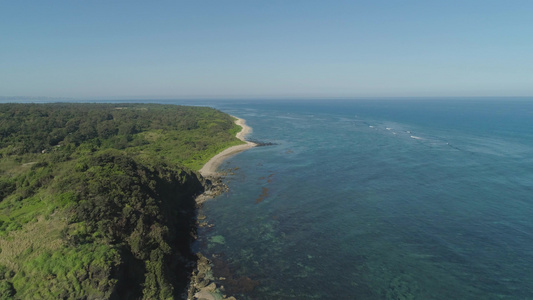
{"points": [[97, 200]]}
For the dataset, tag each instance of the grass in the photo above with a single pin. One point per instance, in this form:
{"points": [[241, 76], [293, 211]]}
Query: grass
{"points": [[191, 149], [63, 271], [39, 236]]}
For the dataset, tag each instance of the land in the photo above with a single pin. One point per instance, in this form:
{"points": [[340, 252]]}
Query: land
{"points": [[97, 201]]}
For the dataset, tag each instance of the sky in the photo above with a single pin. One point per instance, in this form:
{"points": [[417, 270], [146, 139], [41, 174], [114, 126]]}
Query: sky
{"points": [[265, 49]]}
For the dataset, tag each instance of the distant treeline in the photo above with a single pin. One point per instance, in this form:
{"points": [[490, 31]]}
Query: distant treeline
{"points": [[97, 200]]}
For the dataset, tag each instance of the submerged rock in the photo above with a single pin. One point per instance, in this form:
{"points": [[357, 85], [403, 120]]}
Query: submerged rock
{"points": [[218, 239]]}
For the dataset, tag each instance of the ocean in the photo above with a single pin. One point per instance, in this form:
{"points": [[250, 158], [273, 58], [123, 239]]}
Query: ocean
{"points": [[376, 199]]}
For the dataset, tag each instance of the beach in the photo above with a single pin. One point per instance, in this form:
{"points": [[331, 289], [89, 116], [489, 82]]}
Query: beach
{"points": [[210, 168]]}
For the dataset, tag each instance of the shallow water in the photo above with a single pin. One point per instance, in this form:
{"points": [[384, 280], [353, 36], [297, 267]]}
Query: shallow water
{"points": [[377, 200]]}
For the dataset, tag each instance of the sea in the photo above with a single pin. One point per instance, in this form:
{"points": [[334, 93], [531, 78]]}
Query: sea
{"points": [[375, 199]]}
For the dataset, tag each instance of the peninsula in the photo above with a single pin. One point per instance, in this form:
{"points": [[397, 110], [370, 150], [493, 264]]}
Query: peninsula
{"points": [[97, 201]]}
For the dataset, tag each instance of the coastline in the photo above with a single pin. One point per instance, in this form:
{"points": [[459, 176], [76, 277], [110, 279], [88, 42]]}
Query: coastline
{"points": [[202, 285], [210, 168]]}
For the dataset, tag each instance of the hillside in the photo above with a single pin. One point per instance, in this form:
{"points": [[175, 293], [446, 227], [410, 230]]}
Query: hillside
{"points": [[97, 200]]}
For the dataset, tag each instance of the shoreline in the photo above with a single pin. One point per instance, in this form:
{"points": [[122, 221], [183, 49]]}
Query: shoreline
{"points": [[210, 167], [202, 285]]}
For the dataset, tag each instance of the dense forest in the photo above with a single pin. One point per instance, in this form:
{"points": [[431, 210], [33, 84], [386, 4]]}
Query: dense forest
{"points": [[97, 200]]}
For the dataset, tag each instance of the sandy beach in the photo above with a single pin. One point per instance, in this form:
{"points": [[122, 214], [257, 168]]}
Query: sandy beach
{"points": [[210, 168]]}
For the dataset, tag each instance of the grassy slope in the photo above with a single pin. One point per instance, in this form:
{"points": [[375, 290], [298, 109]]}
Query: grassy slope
{"points": [[104, 214]]}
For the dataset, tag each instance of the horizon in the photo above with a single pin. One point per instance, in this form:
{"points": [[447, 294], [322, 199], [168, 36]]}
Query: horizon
{"points": [[275, 50], [37, 100]]}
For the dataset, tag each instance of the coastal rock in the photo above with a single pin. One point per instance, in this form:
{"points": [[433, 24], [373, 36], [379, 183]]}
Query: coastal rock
{"points": [[213, 188], [202, 282], [205, 295], [211, 288]]}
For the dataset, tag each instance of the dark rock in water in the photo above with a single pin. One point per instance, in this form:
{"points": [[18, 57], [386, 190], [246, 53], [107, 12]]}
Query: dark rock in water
{"points": [[402, 287], [262, 144], [263, 195]]}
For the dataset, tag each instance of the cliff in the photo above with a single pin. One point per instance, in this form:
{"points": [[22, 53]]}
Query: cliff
{"points": [[97, 200]]}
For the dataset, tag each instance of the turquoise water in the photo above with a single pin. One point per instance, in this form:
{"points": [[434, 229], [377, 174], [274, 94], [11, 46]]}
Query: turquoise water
{"points": [[377, 199]]}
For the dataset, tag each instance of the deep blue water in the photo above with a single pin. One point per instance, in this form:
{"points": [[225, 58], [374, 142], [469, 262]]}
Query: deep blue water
{"points": [[378, 199]]}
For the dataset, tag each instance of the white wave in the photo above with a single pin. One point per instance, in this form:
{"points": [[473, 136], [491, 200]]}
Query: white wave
{"points": [[388, 128], [416, 137], [371, 126]]}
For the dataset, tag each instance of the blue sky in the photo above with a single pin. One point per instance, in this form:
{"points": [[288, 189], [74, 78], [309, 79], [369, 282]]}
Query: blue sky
{"points": [[188, 49]]}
